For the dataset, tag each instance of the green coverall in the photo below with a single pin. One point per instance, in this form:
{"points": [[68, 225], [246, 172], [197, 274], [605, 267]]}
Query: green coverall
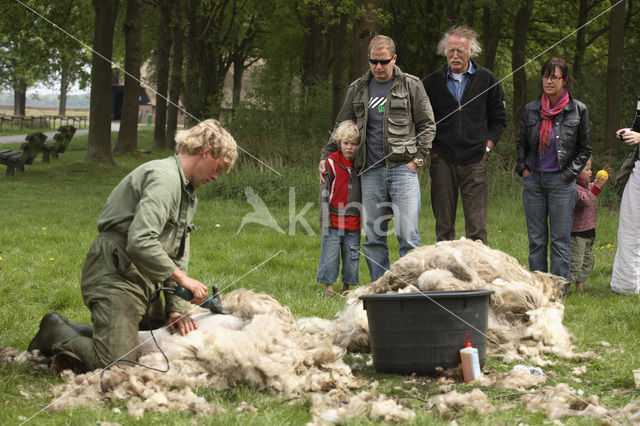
{"points": [[144, 235]]}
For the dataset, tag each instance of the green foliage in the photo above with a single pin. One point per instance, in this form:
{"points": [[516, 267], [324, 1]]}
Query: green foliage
{"points": [[282, 120]]}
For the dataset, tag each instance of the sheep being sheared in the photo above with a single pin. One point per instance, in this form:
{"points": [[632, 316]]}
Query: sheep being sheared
{"points": [[261, 348], [526, 310]]}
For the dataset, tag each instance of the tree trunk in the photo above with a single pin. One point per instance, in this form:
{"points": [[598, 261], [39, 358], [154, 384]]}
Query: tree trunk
{"points": [[128, 134], [163, 49], [614, 76], [193, 101], [238, 71], [364, 28], [520, 30], [19, 97], [491, 25], [99, 145], [177, 57], [339, 55], [581, 35], [64, 86]]}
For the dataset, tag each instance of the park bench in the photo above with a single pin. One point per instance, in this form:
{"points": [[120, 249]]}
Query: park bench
{"points": [[59, 143], [17, 158]]}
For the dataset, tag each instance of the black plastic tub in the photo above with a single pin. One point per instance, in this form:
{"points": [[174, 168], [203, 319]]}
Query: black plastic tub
{"points": [[418, 332]]}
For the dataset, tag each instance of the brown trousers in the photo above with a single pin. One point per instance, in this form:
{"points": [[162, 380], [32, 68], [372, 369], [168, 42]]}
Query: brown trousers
{"points": [[471, 180]]}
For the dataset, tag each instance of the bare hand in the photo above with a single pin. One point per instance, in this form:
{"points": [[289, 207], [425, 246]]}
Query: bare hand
{"points": [[413, 166], [322, 169], [196, 288], [599, 182], [525, 173], [630, 137], [185, 324]]}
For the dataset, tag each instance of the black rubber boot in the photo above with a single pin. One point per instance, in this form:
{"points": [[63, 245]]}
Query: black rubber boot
{"points": [[53, 329], [84, 329]]}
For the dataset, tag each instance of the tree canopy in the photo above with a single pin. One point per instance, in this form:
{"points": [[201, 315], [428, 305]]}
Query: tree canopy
{"points": [[304, 53]]}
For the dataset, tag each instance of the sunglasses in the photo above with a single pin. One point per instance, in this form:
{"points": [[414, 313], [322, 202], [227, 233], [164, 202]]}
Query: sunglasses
{"points": [[379, 61]]}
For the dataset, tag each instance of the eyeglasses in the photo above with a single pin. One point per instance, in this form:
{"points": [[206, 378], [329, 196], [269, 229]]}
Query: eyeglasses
{"points": [[459, 51], [553, 78], [380, 61]]}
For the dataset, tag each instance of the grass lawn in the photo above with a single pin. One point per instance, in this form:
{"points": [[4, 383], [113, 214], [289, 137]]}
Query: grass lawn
{"points": [[48, 220]]}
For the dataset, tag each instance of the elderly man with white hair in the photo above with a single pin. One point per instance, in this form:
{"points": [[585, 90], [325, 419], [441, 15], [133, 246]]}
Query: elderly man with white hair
{"points": [[469, 109]]}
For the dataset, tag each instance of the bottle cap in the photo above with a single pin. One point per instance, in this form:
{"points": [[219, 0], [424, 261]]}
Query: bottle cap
{"points": [[468, 344]]}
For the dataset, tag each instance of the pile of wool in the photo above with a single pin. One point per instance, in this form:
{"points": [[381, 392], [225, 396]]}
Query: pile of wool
{"points": [[526, 309], [9, 355], [563, 401], [267, 353], [336, 407]]}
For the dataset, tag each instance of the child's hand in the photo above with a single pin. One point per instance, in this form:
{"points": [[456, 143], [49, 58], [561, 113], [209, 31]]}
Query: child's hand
{"points": [[602, 178]]}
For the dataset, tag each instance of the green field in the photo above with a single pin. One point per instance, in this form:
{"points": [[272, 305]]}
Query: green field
{"points": [[48, 220]]}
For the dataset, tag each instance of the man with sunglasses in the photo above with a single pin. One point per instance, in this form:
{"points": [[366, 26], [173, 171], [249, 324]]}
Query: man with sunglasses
{"points": [[396, 127], [469, 108]]}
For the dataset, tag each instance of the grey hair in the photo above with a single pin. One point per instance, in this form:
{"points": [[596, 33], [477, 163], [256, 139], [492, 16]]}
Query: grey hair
{"points": [[464, 32]]}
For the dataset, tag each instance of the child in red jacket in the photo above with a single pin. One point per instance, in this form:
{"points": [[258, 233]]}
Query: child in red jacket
{"points": [[340, 207], [583, 232]]}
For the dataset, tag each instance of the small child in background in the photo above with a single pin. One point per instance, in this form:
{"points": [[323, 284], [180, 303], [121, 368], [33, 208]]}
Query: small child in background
{"points": [[583, 232], [340, 206]]}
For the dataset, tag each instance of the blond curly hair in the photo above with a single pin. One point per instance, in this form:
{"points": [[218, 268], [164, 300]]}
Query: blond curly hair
{"points": [[208, 133]]}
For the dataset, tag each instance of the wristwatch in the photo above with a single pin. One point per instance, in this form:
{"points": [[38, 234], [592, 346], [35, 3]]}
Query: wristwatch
{"points": [[419, 162], [488, 151]]}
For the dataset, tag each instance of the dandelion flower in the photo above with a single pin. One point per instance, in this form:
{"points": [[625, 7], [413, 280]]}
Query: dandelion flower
{"points": [[0, 257], [44, 228], [51, 258]]}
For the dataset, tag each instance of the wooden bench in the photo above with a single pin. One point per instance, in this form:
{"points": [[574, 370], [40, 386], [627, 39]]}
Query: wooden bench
{"points": [[59, 143], [17, 158]]}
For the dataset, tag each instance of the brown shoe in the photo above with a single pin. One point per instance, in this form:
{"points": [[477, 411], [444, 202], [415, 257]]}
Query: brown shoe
{"points": [[66, 360]]}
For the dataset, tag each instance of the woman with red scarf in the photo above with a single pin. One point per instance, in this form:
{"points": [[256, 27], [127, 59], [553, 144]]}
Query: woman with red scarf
{"points": [[553, 148]]}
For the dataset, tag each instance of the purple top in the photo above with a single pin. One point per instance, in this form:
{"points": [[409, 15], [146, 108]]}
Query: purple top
{"points": [[548, 161]]}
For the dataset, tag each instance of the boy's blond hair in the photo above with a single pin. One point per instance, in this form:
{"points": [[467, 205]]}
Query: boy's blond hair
{"points": [[208, 133], [347, 131]]}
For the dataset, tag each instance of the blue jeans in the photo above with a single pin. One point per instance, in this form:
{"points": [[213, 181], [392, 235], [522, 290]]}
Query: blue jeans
{"points": [[547, 196], [384, 191], [335, 244]]}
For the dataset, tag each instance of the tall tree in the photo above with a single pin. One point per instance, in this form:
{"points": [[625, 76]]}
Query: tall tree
{"points": [[339, 31], [175, 78], [614, 75], [128, 134], [162, 51], [518, 49], [22, 47], [69, 59], [586, 35], [491, 26], [216, 30], [99, 145], [364, 26]]}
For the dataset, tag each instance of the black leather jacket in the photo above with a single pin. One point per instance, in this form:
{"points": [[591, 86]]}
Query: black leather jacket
{"points": [[573, 138]]}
